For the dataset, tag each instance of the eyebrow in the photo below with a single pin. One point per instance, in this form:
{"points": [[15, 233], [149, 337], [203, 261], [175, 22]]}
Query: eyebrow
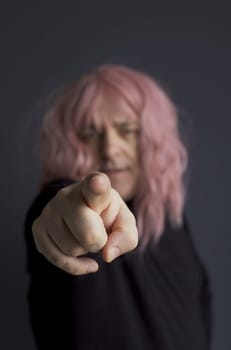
{"points": [[116, 123], [125, 123]]}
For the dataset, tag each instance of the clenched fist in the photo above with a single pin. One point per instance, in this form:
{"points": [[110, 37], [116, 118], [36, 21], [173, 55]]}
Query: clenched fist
{"points": [[86, 217]]}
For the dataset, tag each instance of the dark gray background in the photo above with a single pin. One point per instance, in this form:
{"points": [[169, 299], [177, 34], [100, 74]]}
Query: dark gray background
{"points": [[186, 45]]}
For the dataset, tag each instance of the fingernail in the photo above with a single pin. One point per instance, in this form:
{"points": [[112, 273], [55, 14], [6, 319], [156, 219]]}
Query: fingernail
{"points": [[92, 268], [114, 252]]}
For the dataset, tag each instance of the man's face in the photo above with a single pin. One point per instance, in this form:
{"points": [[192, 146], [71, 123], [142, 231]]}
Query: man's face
{"points": [[114, 146]]}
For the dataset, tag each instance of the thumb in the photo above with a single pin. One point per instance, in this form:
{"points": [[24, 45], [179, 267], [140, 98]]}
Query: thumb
{"points": [[96, 191]]}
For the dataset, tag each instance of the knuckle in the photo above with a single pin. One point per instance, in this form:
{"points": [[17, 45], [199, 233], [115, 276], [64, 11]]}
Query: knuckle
{"points": [[52, 208], [74, 270], [92, 242], [133, 233], [35, 226], [38, 245], [52, 258], [133, 240], [61, 194], [90, 239], [72, 251], [46, 212], [59, 261], [67, 266], [67, 194], [133, 219]]}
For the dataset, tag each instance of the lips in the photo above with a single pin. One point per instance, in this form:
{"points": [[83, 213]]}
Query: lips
{"points": [[116, 171]]}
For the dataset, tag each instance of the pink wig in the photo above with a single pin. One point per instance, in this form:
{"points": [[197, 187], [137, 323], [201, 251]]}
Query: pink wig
{"points": [[163, 157]]}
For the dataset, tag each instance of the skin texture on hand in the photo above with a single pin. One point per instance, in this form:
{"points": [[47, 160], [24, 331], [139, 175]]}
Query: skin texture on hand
{"points": [[86, 217]]}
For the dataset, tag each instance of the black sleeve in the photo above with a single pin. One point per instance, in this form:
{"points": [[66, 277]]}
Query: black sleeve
{"points": [[50, 291], [206, 304], [205, 294]]}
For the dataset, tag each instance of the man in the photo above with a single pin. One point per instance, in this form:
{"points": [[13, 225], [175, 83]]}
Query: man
{"points": [[111, 152]]}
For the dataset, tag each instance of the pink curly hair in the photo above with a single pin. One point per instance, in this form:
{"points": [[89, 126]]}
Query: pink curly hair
{"points": [[163, 157]]}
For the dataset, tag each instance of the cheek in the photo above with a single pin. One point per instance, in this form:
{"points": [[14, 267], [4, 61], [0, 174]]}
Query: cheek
{"points": [[132, 152], [92, 150], [127, 185]]}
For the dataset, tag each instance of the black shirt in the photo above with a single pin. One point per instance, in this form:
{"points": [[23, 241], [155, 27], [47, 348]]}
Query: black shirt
{"points": [[158, 299]]}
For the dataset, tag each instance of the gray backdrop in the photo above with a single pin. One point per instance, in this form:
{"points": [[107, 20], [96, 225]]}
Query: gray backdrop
{"points": [[187, 47]]}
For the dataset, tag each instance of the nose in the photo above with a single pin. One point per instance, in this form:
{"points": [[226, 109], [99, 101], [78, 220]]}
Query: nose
{"points": [[110, 144]]}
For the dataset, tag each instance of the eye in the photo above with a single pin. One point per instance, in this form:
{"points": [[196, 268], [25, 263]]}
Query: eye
{"points": [[126, 130], [89, 134]]}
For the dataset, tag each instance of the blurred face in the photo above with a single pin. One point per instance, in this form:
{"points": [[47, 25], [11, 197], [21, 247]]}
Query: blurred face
{"points": [[114, 146]]}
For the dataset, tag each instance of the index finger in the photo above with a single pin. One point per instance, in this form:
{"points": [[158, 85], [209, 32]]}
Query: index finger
{"points": [[96, 191]]}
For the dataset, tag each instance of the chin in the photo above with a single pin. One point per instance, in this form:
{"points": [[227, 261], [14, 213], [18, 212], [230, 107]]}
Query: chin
{"points": [[124, 193]]}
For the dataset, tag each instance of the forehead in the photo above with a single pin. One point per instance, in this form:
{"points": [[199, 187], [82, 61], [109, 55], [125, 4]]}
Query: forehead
{"points": [[110, 107], [115, 110]]}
